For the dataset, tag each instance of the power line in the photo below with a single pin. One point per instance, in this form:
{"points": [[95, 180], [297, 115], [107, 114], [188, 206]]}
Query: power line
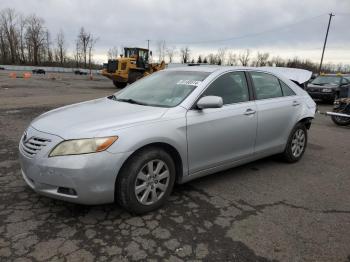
{"points": [[252, 34]]}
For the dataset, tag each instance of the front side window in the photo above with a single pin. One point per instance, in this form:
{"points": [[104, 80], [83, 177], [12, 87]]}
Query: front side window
{"points": [[266, 85], [232, 87], [164, 88]]}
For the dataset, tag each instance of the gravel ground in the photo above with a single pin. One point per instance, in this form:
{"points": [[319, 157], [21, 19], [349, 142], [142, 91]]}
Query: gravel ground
{"points": [[263, 211]]}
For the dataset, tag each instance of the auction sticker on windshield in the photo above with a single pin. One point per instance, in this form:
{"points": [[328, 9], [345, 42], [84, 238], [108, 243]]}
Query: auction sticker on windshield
{"points": [[189, 82]]}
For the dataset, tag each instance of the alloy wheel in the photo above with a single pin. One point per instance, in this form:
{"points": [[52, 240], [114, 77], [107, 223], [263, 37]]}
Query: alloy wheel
{"points": [[152, 182], [298, 143]]}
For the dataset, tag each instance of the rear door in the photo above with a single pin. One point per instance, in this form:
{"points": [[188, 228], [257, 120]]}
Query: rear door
{"points": [[218, 136], [277, 112]]}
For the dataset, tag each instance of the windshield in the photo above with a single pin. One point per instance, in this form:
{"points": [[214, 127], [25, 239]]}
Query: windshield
{"points": [[324, 80], [164, 89]]}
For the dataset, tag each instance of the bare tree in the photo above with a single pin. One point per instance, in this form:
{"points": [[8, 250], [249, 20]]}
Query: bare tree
{"points": [[22, 28], [91, 45], [185, 54], [8, 23], [112, 53], [277, 61], [60, 51], [221, 55], [161, 48], [49, 55], [35, 36], [170, 52], [83, 42], [244, 57], [213, 59], [3, 46], [262, 59], [232, 58]]}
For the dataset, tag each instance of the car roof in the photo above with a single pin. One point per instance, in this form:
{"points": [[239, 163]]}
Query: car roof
{"points": [[295, 74]]}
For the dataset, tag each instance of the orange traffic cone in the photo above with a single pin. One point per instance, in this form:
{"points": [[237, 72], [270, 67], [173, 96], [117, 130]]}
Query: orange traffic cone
{"points": [[12, 75]]}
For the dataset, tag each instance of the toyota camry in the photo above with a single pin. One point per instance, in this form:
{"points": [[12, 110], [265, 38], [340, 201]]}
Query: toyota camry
{"points": [[170, 127]]}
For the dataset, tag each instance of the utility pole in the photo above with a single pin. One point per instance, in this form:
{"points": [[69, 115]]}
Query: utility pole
{"points": [[148, 49], [325, 41]]}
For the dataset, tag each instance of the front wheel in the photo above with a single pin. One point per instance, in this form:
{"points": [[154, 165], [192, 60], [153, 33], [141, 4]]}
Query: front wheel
{"points": [[145, 181], [296, 144]]}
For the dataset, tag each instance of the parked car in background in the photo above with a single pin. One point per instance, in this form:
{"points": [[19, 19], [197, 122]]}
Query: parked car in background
{"points": [[2, 68], [39, 71], [327, 86], [169, 127], [80, 72]]}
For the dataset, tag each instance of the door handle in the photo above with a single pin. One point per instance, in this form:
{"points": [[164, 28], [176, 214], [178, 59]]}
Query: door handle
{"points": [[249, 112], [295, 103]]}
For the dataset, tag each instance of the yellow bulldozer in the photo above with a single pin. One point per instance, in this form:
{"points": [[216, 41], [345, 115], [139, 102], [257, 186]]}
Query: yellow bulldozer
{"points": [[131, 66]]}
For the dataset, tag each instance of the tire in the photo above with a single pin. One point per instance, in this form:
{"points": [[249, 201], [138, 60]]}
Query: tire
{"points": [[135, 180], [341, 121], [296, 144], [119, 84]]}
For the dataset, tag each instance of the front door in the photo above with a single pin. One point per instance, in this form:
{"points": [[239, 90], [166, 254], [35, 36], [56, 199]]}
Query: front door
{"points": [[218, 136]]}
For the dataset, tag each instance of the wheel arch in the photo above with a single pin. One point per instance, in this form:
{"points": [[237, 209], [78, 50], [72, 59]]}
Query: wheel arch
{"points": [[174, 153], [306, 121]]}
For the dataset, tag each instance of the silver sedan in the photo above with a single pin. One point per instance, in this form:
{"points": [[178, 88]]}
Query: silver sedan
{"points": [[170, 127]]}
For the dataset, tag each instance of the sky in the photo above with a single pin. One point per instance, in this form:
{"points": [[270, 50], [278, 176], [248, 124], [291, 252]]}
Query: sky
{"points": [[283, 28]]}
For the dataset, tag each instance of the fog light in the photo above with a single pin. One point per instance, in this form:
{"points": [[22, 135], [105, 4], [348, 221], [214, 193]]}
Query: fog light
{"points": [[67, 191]]}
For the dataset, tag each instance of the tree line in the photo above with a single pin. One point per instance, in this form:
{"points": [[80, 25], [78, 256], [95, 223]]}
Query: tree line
{"points": [[226, 56], [24, 40]]}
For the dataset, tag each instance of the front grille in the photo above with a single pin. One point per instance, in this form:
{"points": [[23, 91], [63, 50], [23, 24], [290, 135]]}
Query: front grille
{"points": [[33, 145]]}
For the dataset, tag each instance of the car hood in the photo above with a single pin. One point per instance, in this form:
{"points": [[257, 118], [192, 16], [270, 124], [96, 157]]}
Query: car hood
{"points": [[322, 86], [91, 118]]}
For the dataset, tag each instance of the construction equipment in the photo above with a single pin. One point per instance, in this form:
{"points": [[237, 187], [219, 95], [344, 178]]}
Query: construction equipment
{"points": [[130, 67]]}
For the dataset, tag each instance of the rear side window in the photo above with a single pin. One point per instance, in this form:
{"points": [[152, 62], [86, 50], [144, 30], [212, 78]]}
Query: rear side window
{"points": [[287, 91], [266, 85], [232, 87]]}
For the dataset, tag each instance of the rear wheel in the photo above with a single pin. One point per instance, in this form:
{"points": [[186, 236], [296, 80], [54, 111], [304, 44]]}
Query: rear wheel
{"points": [[145, 181], [296, 144], [119, 84]]}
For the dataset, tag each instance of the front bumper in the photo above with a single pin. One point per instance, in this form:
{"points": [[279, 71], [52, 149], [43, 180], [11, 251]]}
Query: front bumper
{"points": [[322, 95], [90, 176]]}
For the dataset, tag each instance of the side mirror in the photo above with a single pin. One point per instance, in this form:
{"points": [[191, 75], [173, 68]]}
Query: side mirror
{"points": [[210, 102], [150, 53]]}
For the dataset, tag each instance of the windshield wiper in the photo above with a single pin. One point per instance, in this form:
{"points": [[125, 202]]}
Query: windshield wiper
{"points": [[131, 101]]}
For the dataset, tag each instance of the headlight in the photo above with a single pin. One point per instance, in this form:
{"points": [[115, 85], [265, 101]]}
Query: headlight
{"points": [[83, 146], [327, 90]]}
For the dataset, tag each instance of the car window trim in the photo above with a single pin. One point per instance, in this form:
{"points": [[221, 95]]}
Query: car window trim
{"points": [[280, 81], [251, 97]]}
